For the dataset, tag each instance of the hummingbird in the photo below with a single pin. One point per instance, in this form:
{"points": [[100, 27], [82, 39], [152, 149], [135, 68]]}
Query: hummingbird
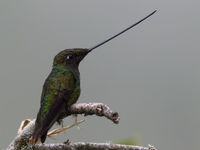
{"points": [[61, 89]]}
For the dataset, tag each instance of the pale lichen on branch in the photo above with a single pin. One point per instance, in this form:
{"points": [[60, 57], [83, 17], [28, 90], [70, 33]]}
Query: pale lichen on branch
{"points": [[90, 146], [99, 109], [21, 141]]}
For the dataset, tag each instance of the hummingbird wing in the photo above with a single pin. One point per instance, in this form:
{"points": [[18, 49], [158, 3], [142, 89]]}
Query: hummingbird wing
{"points": [[57, 91]]}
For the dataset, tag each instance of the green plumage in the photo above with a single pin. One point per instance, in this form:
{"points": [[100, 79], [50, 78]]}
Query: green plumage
{"points": [[60, 90], [61, 78]]}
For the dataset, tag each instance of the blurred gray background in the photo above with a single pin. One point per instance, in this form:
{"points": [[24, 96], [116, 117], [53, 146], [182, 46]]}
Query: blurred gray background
{"points": [[150, 74]]}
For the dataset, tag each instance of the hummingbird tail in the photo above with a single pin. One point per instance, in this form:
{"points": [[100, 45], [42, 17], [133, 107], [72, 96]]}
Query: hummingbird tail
{"points": [[39, 135], [43, 124], [36, 137], [43, 137]]}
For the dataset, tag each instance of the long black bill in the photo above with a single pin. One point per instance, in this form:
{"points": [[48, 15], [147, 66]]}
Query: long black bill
{"points": [[90, 49]]}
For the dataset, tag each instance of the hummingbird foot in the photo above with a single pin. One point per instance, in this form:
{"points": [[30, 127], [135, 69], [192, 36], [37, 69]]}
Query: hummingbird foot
{"points": [[76, 123], [67, 142]]}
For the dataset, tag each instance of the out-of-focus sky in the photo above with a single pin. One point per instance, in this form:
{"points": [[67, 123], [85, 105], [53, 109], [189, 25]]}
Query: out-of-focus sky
{"points": [[150, 74]]}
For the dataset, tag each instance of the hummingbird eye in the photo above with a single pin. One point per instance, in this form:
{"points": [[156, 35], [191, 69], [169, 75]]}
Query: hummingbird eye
{"points": [[70, 57]]}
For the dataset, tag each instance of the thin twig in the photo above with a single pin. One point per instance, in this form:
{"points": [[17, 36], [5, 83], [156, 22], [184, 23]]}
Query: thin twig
{"points": [[59, 130]]}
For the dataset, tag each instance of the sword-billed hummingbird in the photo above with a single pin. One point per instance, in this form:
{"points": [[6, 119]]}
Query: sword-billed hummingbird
{"points": [[62, 87]]}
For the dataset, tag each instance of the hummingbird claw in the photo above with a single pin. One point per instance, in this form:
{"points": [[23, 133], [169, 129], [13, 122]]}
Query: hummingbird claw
{"points": [[76, 123], [67, 142]]}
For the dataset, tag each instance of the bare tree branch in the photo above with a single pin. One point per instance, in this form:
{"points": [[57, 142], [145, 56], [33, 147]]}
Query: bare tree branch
{"points": [[99, 109], [21, 141], [90, 146]]}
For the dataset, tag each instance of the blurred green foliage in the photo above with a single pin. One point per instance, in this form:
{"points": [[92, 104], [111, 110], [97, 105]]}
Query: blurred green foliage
{"points": [[128, 141]]}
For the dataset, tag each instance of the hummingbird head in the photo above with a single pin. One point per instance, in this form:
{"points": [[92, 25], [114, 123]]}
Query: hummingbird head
{"points": [[70, 57]]}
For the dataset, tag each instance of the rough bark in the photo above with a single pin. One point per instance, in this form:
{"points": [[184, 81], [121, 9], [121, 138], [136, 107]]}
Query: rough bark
{"points": [[91, 146], [99, 109], [21, 141]]}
